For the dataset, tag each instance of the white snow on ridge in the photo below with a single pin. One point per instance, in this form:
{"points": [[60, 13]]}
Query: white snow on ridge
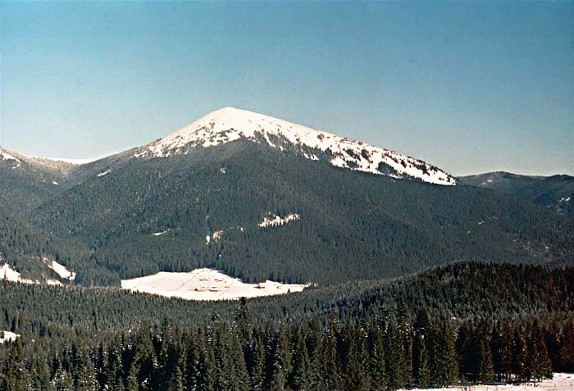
{"points": [[77, 162], [204, 285], [276, 221], [8, 336], [231, 124], [6, 156]]}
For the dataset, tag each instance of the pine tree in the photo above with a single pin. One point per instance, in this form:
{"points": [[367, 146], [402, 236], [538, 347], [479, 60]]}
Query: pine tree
{"points": [[377, 361], [486, 367], [421, 366], [14, 375], [279, 360], [299, 360], [539, 363]]}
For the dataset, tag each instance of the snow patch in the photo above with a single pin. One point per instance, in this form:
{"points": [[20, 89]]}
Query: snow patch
{"points": [[101, 174], [8, 336], [205, 284], [559, 382], [231, 124], [276, 221], [6, 156], [61, 270], [54, 183], [214, 236], [160, 233], [9, 274]]}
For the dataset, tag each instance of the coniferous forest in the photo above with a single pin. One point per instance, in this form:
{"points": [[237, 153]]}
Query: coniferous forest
{"points": [[463, 323]]}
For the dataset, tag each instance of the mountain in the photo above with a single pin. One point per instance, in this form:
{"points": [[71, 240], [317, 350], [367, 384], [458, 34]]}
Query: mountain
{"points": [[554, 192], [230, 124], [206, 195]]}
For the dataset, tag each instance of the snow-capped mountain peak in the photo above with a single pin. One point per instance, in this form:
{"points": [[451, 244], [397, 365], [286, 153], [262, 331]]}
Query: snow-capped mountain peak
{"points": [[230, 124]]}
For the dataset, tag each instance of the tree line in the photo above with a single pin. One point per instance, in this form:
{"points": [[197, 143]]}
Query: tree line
{"points": [[387, 354]]}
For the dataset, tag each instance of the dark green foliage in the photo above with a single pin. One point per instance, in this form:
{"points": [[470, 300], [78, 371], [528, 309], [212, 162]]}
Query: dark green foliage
{"points": [[555, 193]]}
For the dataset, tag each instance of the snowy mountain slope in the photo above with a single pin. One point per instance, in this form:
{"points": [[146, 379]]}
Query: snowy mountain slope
{"points": [[231, 124]]}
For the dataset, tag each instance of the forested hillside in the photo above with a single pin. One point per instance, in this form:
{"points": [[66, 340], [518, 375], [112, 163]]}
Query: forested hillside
{"points": [[139, 216], [469, 321], [555, 193]]}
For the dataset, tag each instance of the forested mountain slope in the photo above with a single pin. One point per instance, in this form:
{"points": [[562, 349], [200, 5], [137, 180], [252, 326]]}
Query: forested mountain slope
{"points": [[208, 207], [555, 192]]}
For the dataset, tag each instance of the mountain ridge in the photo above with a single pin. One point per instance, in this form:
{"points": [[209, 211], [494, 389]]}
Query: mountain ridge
{"points": [[555, 192], [231, 124]]}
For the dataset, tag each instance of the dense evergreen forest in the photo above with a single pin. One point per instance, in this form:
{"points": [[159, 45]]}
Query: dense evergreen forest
{"points": [[553, 192], [466, 322]]}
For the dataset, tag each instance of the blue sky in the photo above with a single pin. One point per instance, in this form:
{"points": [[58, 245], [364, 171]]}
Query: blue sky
{"points": [[467, 86]]}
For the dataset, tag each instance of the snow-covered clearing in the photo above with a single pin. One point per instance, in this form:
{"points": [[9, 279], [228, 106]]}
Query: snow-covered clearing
{"points": [[61, 270], [205, 284], [560, 382], [276, 221], [8, 336], [9, 274]]}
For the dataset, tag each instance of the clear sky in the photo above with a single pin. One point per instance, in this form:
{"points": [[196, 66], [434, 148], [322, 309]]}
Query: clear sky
{"points": [[467, 86]]}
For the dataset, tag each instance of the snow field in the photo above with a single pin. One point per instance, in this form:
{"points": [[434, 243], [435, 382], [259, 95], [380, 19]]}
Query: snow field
{"points": [[205, 284], [8, 336], [560, 382]]}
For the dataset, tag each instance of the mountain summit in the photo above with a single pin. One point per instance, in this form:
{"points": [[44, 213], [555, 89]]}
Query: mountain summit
{"points": [[230, 124]]}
